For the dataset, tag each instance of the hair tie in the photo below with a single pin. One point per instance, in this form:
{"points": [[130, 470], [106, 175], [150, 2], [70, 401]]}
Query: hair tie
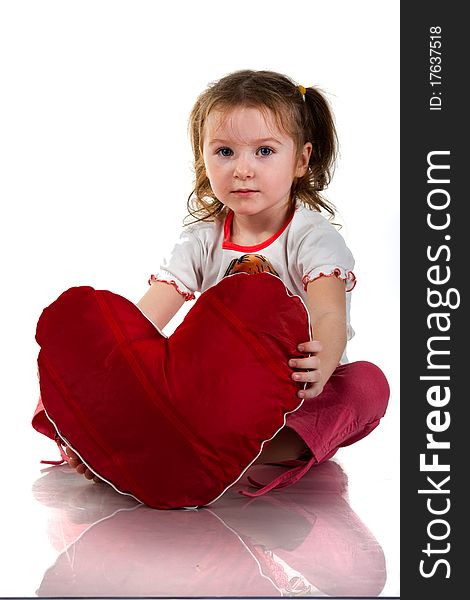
{"points": [[302, 90]]}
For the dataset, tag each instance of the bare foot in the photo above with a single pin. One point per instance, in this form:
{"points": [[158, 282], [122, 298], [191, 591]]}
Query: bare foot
{"points": [[76, 463], [286, 445]]}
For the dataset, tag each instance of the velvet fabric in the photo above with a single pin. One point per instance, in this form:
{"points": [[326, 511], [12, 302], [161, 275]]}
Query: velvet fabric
{"points": [[173, 421]]}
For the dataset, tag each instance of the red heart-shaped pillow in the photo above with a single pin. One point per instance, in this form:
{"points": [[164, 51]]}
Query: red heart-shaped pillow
{"points": [[172, 421]]}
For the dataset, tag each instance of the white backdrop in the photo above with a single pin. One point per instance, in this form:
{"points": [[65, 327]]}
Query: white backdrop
{"points": [[95, 159]]}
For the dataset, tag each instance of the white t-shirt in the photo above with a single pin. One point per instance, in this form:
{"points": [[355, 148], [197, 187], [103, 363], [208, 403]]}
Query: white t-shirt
{"points": [[305, 248]]}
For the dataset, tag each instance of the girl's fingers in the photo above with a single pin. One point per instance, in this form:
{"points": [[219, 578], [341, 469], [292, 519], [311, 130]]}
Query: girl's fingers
{"points": [[307, 376], [310, 392], [310, 346], [310, 362]]}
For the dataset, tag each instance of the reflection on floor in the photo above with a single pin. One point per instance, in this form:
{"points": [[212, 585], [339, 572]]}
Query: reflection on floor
{"points": [[301, 540]]}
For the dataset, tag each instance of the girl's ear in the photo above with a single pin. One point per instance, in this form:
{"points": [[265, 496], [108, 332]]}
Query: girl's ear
{"points": [[302, 163]]}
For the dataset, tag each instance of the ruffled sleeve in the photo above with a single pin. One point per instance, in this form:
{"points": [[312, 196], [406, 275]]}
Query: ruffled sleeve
{"points": [[182, 266], [323, 253]]}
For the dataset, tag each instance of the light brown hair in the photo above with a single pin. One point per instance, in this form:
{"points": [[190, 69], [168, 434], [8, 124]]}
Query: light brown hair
{"points": [[305, 117]]}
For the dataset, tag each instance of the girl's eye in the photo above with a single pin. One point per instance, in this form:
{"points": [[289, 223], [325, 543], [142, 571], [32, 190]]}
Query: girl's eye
{"points": [[225, 152], [265, 151]]}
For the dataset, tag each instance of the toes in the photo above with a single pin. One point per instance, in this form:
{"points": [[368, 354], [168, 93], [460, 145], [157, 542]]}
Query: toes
{"points": [[80, 468], [70, 453], [89, 475], [76, 463]]}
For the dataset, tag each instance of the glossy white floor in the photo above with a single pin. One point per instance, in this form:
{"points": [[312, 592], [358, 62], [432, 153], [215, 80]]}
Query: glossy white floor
{"points": [[334, 533]]}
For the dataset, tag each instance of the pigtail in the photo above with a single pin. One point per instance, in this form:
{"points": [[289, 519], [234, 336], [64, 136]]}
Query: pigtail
{"points": [[321, 127], [320, 131]]}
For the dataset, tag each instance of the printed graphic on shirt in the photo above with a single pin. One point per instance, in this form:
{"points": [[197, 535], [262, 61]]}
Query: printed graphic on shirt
{"points": [[250, 263]]}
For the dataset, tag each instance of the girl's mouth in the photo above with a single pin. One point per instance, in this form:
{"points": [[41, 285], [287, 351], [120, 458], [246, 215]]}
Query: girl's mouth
{"points": [[244, 192]]}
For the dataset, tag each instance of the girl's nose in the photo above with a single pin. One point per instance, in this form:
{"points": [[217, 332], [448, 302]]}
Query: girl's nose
{"points": [[243, 168]]}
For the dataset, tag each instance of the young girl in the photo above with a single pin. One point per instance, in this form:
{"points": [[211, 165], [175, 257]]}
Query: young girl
{"points": [[264, 149]]}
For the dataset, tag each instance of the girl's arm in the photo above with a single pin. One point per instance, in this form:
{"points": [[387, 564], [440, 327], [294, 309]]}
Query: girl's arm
{"points": [[326, 303], [161, 303]]}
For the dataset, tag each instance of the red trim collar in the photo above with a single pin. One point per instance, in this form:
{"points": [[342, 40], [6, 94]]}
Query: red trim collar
{"points": [[228, 245]]}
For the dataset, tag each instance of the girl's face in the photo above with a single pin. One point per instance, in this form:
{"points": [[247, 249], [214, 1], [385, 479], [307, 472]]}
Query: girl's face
{"points": [[250, 162]]}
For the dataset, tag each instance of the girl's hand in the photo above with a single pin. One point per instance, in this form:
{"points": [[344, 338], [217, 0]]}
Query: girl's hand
{"points": [[308, 369]]}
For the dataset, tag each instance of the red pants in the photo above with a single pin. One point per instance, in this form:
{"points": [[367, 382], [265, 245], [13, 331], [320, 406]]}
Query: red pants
{"points": [[349, 408]]}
